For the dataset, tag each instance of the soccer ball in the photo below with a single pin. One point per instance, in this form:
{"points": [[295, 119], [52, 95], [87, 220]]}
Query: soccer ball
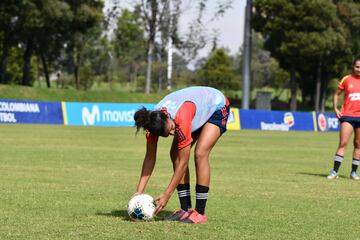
{"points": [[141, 207]]}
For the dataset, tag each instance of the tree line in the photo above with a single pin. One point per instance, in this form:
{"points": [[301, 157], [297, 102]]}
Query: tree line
{"points": [[314, 41], [304, 46], [40, 38]]}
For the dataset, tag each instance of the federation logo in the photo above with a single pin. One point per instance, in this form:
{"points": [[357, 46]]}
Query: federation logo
{"points": [[322, 122], [231, 118], [289, 119]]}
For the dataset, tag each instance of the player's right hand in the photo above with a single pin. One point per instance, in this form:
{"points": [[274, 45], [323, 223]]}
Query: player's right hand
{"points": [[136, 193], [337, 112]]}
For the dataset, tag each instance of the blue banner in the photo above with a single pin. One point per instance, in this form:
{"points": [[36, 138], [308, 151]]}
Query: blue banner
{"points": [[17, 111], [276, 120], [102, 114], [122, 115], [326, 122]]}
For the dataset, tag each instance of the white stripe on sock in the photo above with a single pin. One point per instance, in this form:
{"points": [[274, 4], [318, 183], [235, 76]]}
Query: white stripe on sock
{"points": [[338, 158], [184, 193], [202, 195]]}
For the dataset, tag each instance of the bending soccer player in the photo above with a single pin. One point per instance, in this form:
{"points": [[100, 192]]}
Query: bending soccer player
{"points": [[192, 115]]}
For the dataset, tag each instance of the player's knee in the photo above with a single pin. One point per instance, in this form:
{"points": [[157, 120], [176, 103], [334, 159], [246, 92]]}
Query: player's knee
{"points": [[342, 144], [201, 155]]}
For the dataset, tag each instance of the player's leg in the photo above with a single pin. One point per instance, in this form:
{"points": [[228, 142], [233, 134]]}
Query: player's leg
{"points": [[209, 135], [356, 154], [346, 130], [183, 187], [207, 140]]}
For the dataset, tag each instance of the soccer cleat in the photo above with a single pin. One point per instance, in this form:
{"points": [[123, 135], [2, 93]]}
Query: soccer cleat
{"points": [[195, 218], [354, 176], [333, 175], [178, 215]]}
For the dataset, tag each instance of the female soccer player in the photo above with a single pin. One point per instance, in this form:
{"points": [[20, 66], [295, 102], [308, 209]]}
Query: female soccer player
{"points": [[350, 119], [194, 114]]}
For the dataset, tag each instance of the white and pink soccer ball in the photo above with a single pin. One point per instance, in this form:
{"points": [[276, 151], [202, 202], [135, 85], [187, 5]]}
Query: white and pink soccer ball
{"points": [[141, 207]]}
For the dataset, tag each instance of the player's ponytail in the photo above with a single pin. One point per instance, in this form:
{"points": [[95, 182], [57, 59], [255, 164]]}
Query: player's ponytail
{"points": [[153, 121]]}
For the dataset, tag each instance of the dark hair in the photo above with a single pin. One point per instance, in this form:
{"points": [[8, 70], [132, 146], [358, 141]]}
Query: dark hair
{"points": [[153, 121], [356, 59]]}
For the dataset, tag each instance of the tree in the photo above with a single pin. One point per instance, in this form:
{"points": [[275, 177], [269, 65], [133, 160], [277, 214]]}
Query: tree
{"points": [[152, 13], [218, 72], [86, 17], [50, 35], [9, 27], [129, 41], [45, 27], [296, 31], [349, 12], [265, 71], [157, 14]]}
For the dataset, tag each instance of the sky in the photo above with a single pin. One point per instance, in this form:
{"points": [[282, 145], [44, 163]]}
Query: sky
{"points": [[230, 27]]}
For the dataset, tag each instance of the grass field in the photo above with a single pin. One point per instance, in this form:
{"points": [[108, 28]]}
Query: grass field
{"points": [[71, 95], [60, 182]]}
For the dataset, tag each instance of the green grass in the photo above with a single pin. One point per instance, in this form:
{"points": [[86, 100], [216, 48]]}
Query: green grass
{"points": [[71, 95], [59, 182]]}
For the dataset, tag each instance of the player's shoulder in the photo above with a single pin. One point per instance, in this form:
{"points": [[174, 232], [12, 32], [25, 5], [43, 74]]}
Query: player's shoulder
{"points": [[345, 78], [186, 111]]}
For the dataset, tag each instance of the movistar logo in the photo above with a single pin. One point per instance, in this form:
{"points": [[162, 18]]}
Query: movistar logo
{"points": [[89, 118], [94, 116]]}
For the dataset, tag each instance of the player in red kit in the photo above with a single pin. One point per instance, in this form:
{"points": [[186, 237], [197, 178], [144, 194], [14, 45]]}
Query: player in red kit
{"points": [[349, 117], [195, 116]]}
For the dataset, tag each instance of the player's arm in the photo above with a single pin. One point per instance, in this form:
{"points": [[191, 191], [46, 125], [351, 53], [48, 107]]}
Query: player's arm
{"points": [[335, 102], [183, 131], [179, 172], [148, 166]]}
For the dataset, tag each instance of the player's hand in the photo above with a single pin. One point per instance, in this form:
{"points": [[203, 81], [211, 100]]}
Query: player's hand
{"points": [[161, 202], [136, 193], [337, 112]]}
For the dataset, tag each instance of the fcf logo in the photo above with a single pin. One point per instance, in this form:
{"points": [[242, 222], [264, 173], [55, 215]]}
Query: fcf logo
{"points": [[322, 122], [327, 123]]}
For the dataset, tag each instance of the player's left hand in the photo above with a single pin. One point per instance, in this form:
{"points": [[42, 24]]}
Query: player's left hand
{"points": [[161, 202]]}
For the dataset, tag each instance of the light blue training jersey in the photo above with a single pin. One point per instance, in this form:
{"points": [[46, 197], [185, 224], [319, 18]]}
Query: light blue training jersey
{"points": [[206, 99]]}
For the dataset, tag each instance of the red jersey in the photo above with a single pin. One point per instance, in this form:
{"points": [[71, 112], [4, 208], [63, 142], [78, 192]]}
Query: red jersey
{"points": [[183, 129], [350, 84]]}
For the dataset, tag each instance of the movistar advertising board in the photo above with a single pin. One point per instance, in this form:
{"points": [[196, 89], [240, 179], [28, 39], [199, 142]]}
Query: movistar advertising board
{"points": [[18, 111], [326, 122], [276, 120], [101, 114]]}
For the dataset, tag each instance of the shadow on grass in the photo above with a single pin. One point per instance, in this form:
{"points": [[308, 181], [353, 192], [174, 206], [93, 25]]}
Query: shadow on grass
{"points": [[314, 174], [123, 214], [322, 175]]}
